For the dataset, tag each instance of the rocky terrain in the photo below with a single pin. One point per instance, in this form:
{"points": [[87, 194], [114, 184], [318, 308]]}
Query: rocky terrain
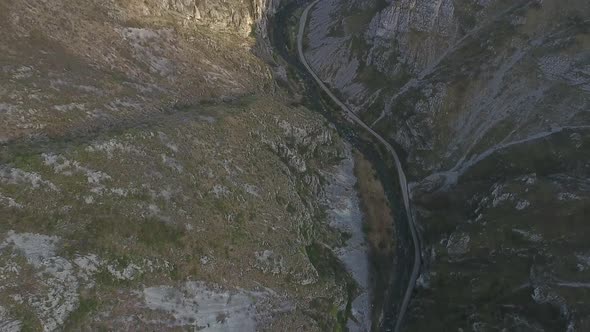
{"points": [[153, 176], [157, 174], [489, 102]]}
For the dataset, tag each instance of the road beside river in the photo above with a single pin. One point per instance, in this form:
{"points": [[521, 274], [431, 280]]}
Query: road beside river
{"points": [[401, 174]]}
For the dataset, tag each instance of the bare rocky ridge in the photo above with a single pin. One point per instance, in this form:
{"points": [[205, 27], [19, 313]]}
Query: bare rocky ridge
{"points": [[489, 101]]}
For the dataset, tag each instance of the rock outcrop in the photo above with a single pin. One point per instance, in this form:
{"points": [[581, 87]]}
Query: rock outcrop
{"points": [[417, 31], [238, 16]]}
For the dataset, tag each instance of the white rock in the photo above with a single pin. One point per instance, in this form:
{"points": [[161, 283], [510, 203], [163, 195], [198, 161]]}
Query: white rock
{"points": [[533, 237], [57, 278], [18, 176], [204, 260], [567, 197], [458, 244], [204, 308], [268, 262], [522, 204], [130, 272], [7, 323]]}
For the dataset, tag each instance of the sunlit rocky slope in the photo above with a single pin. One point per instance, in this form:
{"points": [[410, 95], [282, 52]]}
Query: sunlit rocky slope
{"points": [[154, 177]]}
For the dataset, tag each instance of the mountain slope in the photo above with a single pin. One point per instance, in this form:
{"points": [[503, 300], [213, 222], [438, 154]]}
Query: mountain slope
{"points": [[489, 101], [154, 177]]}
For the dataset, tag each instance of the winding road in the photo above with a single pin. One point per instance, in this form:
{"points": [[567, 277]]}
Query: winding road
{"points": [[402, 176]]}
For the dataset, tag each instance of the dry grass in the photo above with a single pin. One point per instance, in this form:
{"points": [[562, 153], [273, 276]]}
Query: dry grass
{"points": [[60, 52], [378, 216], [379, 228]]}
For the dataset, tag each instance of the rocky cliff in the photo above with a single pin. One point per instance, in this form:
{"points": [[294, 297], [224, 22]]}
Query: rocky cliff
{"points": [[421, 30], [243, 17], [488, 101]]}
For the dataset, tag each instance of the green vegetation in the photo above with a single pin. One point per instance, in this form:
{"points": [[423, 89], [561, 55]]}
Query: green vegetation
{"points": [[26, 316], [336, 319], [88, 305], [159, 235], [325, 262]]}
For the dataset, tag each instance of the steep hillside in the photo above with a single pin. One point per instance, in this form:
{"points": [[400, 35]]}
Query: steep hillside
{"points": [[96, 63], [154, 177], [489, 101]]}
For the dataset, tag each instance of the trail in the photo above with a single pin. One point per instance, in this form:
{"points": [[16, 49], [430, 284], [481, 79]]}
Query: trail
{"points": [[402, 176]]}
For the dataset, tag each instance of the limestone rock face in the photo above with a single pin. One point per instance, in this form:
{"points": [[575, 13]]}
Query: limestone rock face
{"points": [[238, 16], [422, 30]]}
